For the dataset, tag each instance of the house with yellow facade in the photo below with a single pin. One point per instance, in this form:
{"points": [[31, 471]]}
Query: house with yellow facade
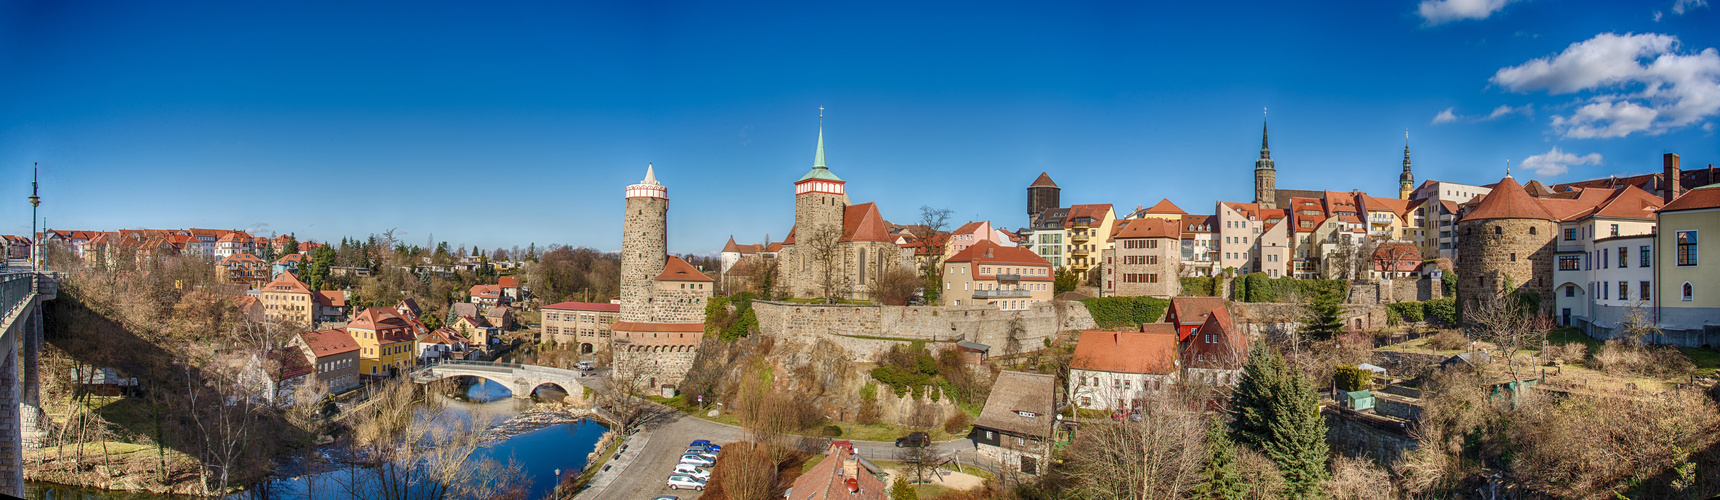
{"points": [[286, 299], [386, 342]]}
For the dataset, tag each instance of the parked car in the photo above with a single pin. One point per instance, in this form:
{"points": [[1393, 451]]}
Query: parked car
{"points": [[690, 470], [700, 452], [667, 497], [914, 440], [701, 442], [698, 460], [714, 448], [685, 483]]}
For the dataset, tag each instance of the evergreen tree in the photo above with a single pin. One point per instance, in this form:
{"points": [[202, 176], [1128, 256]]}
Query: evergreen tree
{"points": [[291, 247], [1278, 412], [1218, 478], [1323, 318], [901, 490]]}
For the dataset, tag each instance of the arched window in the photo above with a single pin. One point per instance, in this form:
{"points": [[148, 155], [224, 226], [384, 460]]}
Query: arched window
{"points": [[1531, 230], [1498, 229], [1689, 292], [862, 266]]}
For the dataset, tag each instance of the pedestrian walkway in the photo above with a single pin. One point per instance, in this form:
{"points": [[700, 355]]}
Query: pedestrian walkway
{"points": [[617, 467]]}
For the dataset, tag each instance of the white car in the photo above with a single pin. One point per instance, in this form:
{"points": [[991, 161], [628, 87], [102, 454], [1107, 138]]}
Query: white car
{"points": [[690, 470], [697, 460], [685, 482]]}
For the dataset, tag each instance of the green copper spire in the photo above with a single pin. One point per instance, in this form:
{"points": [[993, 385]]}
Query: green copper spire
{"points": [[1265, 162], [819, 170]]}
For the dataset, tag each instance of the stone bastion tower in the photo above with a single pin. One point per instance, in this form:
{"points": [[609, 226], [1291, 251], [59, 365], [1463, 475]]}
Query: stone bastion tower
{"points": [[1506, 241], [644, 245], [656, 336]]}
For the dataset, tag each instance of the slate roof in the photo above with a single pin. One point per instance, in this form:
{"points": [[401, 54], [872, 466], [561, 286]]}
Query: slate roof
{"points": [[1014, 396]]}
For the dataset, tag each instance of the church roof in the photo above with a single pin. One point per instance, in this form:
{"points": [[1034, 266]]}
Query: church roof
{"points": [[819, 170], [863, 223], [1165, 206], [679, 270], [1044, 180], [1509, 201]]}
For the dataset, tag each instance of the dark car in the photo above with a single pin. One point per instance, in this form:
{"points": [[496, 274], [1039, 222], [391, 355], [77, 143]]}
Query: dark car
{"points": [[914, 440]]}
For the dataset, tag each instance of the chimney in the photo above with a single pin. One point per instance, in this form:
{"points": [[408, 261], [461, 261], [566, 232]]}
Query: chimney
{"points": [[1669, 186], [851, 468]]}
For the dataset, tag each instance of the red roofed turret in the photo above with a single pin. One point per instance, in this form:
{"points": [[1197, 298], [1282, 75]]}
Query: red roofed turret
{"points": [[1508, 200]]}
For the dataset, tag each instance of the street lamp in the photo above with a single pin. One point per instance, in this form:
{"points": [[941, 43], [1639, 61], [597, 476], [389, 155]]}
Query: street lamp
{"points": [[35, 201]]}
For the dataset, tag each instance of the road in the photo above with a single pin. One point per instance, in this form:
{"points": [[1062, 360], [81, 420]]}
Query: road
{"points": [[670, 432]]}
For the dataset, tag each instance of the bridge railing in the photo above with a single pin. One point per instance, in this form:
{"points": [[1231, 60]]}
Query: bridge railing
{"points": [[510, 366], [15, 290]]}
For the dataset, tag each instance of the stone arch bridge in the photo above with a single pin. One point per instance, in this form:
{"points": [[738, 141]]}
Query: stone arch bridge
{"points": [[520, 379]]}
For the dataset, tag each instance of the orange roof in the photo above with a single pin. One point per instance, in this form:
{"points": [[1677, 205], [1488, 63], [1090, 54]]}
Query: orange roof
{"points": [[989, 252], [508, 282], [1197, 224], [1630, 203], [730, 246], [286, 282], [1165, 206], [443, 335], [775, 247], [1696, 199], [1151, 227], [1400, 207], [241, 258], [1096, 212], [790, 239], [1193, 310], [1509, 201], [329, 342], [383, 319], [1397, 256], [1128, 352], [292, 258], [969, 227], [827, 480], [679, 270], [1044, 180], [487, 291], [863, 223], [331, 298]]}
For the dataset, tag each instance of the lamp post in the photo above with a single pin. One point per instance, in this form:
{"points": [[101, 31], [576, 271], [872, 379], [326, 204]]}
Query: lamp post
{"points": [[35, 201]]}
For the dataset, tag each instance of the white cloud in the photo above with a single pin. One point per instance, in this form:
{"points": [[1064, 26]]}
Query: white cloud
{"points": [[1642, 84], [1680, 6], [1444, 117], [1444, 11], [1449, 115], [1657, 15], [1557, 162]]}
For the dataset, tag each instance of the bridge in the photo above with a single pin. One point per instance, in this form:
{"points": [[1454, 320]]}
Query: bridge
{"points": [[520, 379], [22, 423]]}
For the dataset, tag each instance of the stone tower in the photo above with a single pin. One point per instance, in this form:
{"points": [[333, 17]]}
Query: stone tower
{"points": [[820, 201], [1041, 195], [1507, 240], [1406, 180], [1265, 175], [644, 245]]}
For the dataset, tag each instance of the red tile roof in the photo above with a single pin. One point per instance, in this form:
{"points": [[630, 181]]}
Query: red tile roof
{"points": [[829, 480], [487, 291], [241, 259], [988, 252], [1044, 180], [679, 270], [1096, 212], [1696, 199], [286, 282], [331, 298], [329, 342], [1150, 227], [1397, 256], [1198, 224], [1152, 352], [1193, 310], [508, 282], [1509, 201], [292, 258], [863, 223], [1165, 206], [969, 227], [383, 319]]}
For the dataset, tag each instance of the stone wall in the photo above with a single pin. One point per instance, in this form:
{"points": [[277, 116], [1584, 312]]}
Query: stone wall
{"points": [[1278, 318], [679, 306], [657, 365], [867, 329], [1359, 434]]}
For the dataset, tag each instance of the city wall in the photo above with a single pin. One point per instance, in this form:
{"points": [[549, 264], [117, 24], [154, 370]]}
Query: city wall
{"points": [[869, 329]]}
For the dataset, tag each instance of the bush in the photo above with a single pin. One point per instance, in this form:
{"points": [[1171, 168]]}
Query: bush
{"points": [[901, 490], [1618, 358], [1443, 311], [832, 430], [957, 423], [1204, 286], [1257, 287], [1413, 312], [1448, 340], [1125, 312], [1568, 353], [1352, 378]]}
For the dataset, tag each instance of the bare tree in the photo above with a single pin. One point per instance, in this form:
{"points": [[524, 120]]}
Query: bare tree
{"points": [[825, 252], [625, 401], [1157, 457], [413, 449], [1637, 324], [895, 285], [1388, 256], [1352, 258], [1509, 324]]}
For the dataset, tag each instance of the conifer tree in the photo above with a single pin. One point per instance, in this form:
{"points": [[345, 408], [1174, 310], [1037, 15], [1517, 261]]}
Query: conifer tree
{"points": [[1324, 316], [1218, 478], [1277, 412]]}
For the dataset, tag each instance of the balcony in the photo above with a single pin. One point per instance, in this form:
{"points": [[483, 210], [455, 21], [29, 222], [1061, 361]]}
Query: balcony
{"points": [[1079, 236], [1078, 251], [1002, 294], [1009, 278]]}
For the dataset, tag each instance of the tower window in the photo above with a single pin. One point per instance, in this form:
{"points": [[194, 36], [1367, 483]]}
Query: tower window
{"points": [[1498, 229], [1531, 230]]}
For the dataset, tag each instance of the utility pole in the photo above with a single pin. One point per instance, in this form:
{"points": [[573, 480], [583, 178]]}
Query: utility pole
{"points": [[35, 201]]}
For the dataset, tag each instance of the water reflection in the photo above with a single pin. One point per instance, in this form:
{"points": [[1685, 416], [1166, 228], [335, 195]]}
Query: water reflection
{"points": [[541, 452]]}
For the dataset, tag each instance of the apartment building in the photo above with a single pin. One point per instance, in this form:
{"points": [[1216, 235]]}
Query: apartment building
{"points": [[1011, 278], [1144, 260]]}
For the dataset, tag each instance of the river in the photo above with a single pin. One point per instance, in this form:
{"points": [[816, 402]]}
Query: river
{"points": [[543, 452]]}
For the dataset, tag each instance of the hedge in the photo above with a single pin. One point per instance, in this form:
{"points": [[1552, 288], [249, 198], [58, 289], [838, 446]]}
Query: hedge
{"points": [[1202, 286], [1124, 312], [1412, 312], [1257, 287], [1442, 310]]}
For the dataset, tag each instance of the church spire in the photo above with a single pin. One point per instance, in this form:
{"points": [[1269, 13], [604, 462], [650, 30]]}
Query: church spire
{"points": [[650, 176], [1265, 162], [1406, 180], [818, 158]]}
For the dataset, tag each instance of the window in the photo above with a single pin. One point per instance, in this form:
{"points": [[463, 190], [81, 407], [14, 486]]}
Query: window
{"points": [[1642, 293], [1532, 230], [1624, 290], [1606, 259], [1604, 286], [1642, 256], [1513, 256], [1688, 295], [1570, 290], [1571, 234], [1614, 230], [1623, 257], [1687, 250], [1498, 229], [1570, 263]]}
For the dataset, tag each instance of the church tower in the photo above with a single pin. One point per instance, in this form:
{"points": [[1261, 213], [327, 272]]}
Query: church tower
{"points": [[644, 245], [1265, 175], [820, 202], [1406, 180]]}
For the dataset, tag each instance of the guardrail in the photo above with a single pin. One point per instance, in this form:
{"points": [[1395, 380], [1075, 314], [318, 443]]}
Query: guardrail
{"points": [[491, 365], [15, 290]]}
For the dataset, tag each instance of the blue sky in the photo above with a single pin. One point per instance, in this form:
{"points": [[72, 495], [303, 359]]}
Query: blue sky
{"points": [[503, 125]]}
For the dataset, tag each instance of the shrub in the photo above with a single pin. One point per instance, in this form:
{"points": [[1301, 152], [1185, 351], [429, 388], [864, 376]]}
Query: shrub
{"points": [[1352, 378], [1618, 358], [1204, 286], [1125, 312], [1448, 340], [1257, 287], [957, 423], [1568, 353], [1413, 312], [1443, 311], [901, 490], [832, 430]]}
